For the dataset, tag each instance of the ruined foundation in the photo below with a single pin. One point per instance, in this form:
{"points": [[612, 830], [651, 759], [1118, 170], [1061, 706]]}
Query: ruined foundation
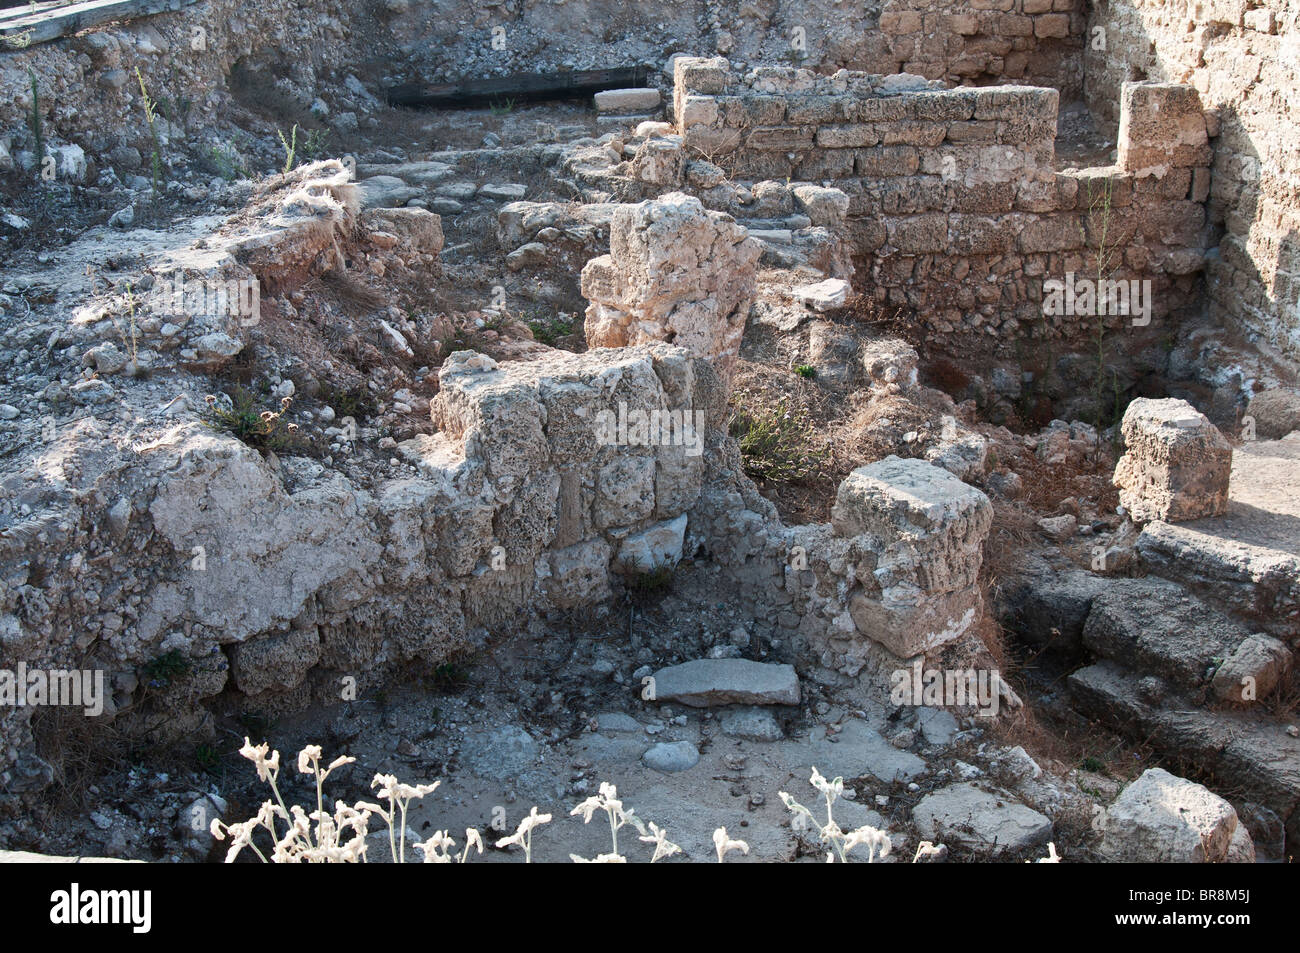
{"points": [[888, 397]]}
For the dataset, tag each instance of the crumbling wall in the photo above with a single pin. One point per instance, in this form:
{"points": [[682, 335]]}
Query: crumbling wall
{"points": [[1244, 60], [1038, 42], [954, 202], [893, 576], [197, 573], [90, 92], [676, 273]]}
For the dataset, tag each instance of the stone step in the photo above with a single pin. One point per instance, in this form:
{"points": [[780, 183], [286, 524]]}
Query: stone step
{"points": [[706, 682], [1247, 560], [1156, 627], [1247, 755]]}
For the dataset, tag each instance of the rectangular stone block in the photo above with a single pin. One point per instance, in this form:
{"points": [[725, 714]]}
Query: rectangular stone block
{"points": [[1016, 102], [883, 161], [928, 529], [780, 138], [847, 137], [946, 106], [815, 110], [913, 133], [1176, 464], [877, 109], [1052, 26], [921, 235]]}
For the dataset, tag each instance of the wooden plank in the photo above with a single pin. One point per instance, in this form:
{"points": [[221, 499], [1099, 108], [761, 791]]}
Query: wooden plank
{"points": [[519, 87], [20, 29]]}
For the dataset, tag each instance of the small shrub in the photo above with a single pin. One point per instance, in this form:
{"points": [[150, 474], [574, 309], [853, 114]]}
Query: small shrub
{"points": [[314, 143], [262, 429], [806, 371], [548, 330], [290, 147], [774, 443], [166, 669]]}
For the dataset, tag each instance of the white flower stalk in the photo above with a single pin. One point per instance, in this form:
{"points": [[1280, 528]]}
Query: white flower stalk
{"points": [[830, 833], [1052, 856], [619, 817], [663, 846], [523, 835], [725, 845], [927, 849], [399, 796]]}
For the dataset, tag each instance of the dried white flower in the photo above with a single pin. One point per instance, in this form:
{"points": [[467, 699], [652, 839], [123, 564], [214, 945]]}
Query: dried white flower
{"points": [[724, 844]]}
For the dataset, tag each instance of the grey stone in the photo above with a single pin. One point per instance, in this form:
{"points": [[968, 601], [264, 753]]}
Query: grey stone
{"points": [[1162, 818], [938, 725], [706, 682], [671, 756], [963, 814], [500, 755], [615, 722], [756, 724]]}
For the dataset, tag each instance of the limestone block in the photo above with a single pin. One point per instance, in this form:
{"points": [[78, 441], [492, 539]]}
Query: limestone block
{"points": [[928, 529], [1176, 464], [1162, 818], [676, 272]]}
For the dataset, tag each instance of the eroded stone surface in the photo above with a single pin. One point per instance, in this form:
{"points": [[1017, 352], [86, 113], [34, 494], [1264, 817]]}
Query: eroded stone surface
{"points": [[1176, 464]]}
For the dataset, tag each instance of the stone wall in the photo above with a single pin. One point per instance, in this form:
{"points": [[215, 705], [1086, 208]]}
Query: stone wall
{"points": [[1244, 60], [267, 583], [1038, 42], [955, 207]]}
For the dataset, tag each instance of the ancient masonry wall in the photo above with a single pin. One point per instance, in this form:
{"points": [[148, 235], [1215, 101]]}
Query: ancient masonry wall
{"points": [[954, 202], [1038, 42], [1244, 60]]}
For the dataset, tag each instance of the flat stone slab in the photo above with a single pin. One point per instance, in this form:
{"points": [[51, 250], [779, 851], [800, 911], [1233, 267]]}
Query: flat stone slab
{"points": [[963, 814], [386, 191], [27, 857], [706, 682], [616, 722], [508, 192], [624, 101], [858, 749], [824, 295]]}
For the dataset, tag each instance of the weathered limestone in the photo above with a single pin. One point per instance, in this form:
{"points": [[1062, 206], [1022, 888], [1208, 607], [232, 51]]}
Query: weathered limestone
{"points": [[954, 202], [1162, 818], [624, 101], [706, 682], [928, 528], [965, 815], [675, 273], [1161, 127], [1251, 672], [1176, 464], [1274, 413], [824, 295]]}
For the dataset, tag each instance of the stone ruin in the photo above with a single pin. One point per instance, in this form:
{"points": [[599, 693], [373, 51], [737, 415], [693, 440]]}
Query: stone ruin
{"points": [[996, 256]]}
